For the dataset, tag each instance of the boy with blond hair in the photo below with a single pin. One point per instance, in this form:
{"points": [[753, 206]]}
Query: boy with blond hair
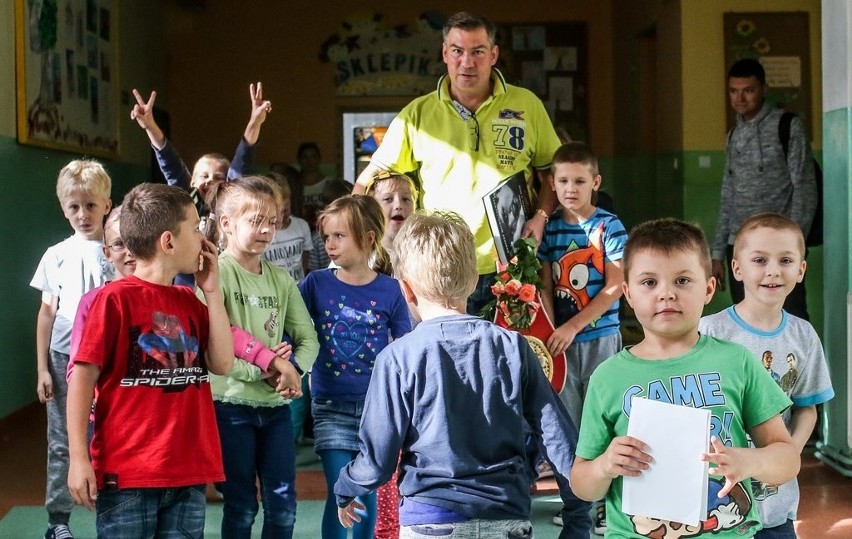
{"points": [[67, 270], [437, 393], [769, 260], [148, 348], [668, 283]]}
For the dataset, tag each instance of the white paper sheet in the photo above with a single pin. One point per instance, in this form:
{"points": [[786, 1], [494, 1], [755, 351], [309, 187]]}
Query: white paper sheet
{"points": [[674, 488]]}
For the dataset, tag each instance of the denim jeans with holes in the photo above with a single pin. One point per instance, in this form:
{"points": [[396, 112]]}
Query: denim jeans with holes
{"points": [[257, 442]]}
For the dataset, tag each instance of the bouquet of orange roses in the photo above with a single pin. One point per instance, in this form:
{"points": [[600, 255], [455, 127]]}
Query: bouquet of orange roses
{"points": [[517, 306], [515, 292]]}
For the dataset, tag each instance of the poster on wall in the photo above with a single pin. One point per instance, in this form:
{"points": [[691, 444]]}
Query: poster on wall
{"points": [[67, 75], [766, 37], [372, 56], [550, 60]]}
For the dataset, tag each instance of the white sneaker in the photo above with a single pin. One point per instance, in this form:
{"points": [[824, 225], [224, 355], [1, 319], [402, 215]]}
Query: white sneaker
{"points": [[60, 531], [600, 519], [557, 518]]}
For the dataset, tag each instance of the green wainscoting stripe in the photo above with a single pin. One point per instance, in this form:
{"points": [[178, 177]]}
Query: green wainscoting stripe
{"points": [[32, 221], [837, 171]]}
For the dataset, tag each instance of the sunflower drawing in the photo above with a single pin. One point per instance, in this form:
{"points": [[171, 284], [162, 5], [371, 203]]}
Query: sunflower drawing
{"points": [[762, 45], [745, 28]]}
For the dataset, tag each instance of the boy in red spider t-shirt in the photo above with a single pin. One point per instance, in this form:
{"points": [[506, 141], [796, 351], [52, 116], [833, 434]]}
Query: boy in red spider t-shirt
{"points": [[148, 347]]}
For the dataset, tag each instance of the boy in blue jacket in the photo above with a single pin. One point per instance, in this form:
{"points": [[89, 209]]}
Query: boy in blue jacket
{"points": [[453, 396]]}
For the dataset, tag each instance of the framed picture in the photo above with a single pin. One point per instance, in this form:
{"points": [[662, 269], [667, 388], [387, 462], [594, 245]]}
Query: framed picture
{"points": [[67, 75], [551, 60], [767, 37], [507, 208], [362, 134]]}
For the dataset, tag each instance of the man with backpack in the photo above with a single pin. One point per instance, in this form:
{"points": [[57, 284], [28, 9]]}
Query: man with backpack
{"points": [[768, 168]]}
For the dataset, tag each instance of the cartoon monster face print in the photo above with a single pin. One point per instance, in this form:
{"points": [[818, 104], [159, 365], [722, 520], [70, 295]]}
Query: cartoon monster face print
{"points": [[571, 273]]}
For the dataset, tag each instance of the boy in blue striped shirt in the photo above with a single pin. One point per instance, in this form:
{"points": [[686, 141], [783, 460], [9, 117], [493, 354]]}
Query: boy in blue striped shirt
{"points": [[581, 274]]}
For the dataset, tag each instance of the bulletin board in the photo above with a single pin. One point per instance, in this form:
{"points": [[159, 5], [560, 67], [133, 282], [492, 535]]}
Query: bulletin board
{"points": [[67, 75], [781, 42], [551, 60]]}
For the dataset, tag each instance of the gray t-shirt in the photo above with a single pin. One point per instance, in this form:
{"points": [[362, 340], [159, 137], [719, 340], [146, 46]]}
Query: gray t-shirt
{"points": [[792, 355]]}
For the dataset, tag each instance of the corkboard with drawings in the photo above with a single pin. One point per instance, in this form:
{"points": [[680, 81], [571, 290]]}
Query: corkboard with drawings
{"points": [[551, 60], [67, 75], [781, 42]]}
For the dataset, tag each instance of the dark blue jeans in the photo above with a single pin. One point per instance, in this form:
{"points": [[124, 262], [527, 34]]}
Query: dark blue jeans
{"points": [[165, 513], [576, 513], [337, 444], [257, 443], [784, 531], [300, 409]]}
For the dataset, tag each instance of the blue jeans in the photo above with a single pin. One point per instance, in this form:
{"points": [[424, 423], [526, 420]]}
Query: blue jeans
{"points": [[576, 513], [139, 513], [300, 409], [333, 460], [471, 529], [257, 443], [784, 531]]}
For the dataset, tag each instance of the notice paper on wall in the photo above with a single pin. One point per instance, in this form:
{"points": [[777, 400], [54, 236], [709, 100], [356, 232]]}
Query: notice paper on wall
{"points": [[674, 488]]}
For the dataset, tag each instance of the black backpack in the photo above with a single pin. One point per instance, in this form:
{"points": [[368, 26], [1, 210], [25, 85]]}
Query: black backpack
{"points": [[815, 235]]}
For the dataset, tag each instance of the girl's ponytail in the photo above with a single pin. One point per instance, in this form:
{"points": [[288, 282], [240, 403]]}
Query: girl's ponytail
{"points": [[382, 262], [211, 225]]}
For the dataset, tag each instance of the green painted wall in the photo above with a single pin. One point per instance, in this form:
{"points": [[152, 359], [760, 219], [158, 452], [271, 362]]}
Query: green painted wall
{"points": [[687, 185], [29, 211], [837, 125]]}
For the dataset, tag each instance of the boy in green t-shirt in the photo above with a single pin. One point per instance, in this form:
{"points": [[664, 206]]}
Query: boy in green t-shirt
{"points": [[668, 283]]}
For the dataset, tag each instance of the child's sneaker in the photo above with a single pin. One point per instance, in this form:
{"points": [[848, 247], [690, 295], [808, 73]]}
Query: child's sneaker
{"points": [[60, 531], [544, 470], [557, 518], [600, 519]]}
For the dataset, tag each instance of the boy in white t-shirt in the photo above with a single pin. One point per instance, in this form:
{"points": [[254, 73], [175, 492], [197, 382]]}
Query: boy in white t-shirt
{"points": [[769, 259], [67, 270]]}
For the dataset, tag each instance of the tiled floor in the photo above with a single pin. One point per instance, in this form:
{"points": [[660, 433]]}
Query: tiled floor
{"points": [[825, 511]]}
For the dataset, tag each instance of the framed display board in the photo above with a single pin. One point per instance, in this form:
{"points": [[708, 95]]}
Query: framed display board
{"points": [[362, 134], [551, 60], [781, 42], [67, 75]]}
